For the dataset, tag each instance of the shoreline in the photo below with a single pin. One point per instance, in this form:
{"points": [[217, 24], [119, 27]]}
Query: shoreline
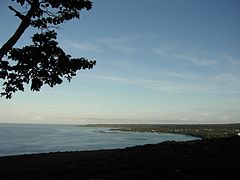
{"points": [[198, 159], [195, 130], [123, 139], [150, 131]]}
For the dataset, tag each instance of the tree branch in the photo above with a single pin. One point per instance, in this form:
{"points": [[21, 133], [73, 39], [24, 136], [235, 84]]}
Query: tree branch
{"points": [[20, 30], [18, 14]]}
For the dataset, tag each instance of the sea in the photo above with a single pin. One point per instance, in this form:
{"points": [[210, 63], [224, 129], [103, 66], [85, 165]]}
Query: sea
{"points": [[18, 139]]}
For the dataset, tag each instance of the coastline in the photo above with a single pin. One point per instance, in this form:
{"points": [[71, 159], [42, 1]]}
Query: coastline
{"points": [[28, 138], [215, 158], [207, 158], [196, 130]]}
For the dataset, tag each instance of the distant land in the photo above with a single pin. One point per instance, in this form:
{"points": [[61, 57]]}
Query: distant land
{"points": [[208, 158], [197, 130]]}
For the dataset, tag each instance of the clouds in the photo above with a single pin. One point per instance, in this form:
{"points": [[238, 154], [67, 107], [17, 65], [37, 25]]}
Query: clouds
{"points": [[122, 44], [186, 69], [153, 66], [132, 64], [193, 55], [83, 46], [231, 59], [192, 70], [208, 71], [126, 44], [159, 85], [182, 53], [198, 61], [182, 84], [150, 46]]}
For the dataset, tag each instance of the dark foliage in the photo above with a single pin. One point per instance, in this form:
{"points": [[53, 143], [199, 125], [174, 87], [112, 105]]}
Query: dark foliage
{"points": [[43, 62]]}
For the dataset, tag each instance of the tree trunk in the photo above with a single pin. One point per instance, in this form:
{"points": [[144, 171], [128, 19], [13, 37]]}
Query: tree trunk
{"points": [[20, 30]]}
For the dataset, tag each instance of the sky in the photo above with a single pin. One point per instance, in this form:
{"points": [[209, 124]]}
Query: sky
{"points": [[158, 61]]}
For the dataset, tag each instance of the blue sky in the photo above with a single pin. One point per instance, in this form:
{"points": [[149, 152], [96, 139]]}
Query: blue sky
{"points": [[158, 61]]}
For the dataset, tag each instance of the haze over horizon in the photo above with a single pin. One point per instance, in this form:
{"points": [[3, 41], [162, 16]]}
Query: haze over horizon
{"points": [[158, 61]]}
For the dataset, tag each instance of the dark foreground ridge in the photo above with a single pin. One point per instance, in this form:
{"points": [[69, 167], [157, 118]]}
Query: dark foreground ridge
{"points": [[200, 159]]}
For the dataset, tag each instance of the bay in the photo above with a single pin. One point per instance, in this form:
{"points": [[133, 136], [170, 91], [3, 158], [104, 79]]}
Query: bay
{"points": [[16, 139]]}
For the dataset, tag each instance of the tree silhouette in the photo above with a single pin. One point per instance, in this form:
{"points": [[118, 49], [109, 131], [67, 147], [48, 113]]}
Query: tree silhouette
{"points": [[42, 62]]}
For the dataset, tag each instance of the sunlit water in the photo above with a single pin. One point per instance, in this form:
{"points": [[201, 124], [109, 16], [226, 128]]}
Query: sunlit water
{"points": [[28, 138]]}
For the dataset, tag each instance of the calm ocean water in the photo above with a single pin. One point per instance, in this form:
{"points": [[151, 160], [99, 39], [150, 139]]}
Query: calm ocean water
{"points": [[34, 138]]}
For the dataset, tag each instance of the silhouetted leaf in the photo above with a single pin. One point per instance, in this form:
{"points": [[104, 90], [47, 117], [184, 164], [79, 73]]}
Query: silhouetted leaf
{"points": [[43, 62]]}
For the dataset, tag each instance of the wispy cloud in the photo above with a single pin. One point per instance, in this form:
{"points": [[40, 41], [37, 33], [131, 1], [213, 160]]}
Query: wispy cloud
{"points": [[199, 61], [231, 59], [159, 85], [226, 82], [194, 58], [226, 78], [83, 46], [222, 83], [179, 75], [125, 44], [185, 53]]}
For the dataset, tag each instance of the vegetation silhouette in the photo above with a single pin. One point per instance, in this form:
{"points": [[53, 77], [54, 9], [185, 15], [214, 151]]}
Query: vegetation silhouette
{"points": [[42, 62]]}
